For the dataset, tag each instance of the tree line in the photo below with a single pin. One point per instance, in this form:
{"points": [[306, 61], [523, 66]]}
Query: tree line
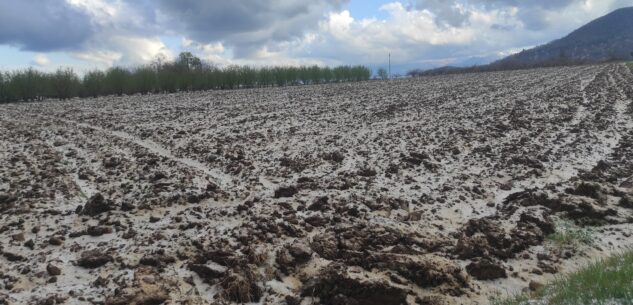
{"points": [[185, 73]]}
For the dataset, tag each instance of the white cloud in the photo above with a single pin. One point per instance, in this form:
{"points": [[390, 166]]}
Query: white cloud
{"points": [[41, 60], [206, 48], [126, 32], [101, 9], [109, 51], [245, 25], [417, 34], [419, 26], [100, 58], [140, 49], [405, 33]]}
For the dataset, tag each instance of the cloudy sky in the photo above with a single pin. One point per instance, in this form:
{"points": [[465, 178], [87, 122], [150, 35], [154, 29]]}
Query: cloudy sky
{"points": [[87, 34]]}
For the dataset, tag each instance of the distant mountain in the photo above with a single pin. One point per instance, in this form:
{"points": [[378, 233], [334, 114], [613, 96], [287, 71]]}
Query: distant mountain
{"points": [[402, 69], [607, 38]]}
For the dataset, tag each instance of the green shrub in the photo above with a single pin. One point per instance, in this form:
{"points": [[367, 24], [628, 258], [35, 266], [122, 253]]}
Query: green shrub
{"points": [[4, 96], [65, 84], [93, 83], [117, 81], [28, 85], [144, 80]]}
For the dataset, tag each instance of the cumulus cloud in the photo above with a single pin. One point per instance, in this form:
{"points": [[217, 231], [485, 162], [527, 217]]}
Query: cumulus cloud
{"points": [[36, 25], [449, 13], [101, 58], [128, 33], [123, 51], [410, 35], [40, 60], [248, 24], [405, 34], [268, 32], [533, 14], [222, 32], [432, 33]]}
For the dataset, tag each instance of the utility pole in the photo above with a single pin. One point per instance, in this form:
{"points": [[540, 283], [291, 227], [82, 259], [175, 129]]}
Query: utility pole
{"points": [[389, 65]]}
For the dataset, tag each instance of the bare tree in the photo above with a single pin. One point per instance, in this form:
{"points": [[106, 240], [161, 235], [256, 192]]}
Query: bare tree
{"points": [[382, 74]]}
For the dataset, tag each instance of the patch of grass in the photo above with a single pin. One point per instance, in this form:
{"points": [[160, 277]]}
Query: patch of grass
{"points": [[604, 282], [568, 234]]}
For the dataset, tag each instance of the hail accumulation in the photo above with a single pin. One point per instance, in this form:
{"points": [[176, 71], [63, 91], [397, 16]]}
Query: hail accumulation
{"points": [[438, 190]]}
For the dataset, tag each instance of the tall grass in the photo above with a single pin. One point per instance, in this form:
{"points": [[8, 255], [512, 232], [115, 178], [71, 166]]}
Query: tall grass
{"points": [[604, 282], [186, 73]]}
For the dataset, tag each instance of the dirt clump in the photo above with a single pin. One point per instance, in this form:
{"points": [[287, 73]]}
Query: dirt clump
{"points": [[286, 191], [92, 259], [292, 255], [582, 208], [157, 260], [427, 271], [333, 287], [147, 288], [486, 269], [241, 285], [53, 270], [206, 273], [96, 205]]}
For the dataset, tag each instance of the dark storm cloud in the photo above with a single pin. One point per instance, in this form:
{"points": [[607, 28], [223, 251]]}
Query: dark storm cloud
{"points": [[43, 25], [246, 24]]}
